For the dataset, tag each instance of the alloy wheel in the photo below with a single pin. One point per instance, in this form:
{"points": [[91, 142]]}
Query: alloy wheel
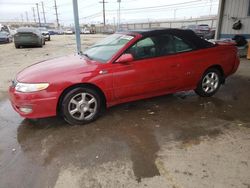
{"points": [[210, 82], [82, 106]]}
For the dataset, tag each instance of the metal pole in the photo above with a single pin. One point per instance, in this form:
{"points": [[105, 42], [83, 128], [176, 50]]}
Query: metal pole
{"points": [[103, 6], [34, 14], [27, 16], [220, 18], [210, 10], [22, 18], [77, 27], [119, 14], [44, 19], [37, 8], [57, 20]]}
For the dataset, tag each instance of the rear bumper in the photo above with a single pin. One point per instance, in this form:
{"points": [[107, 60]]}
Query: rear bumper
{"points": [[31, 41], [46, 37], [236, 65], [42, 103], [4, 39]]}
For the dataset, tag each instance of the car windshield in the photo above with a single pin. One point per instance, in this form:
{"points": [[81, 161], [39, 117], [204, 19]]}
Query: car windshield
{"points": [[107, 48], [3, 34], [28, 30]]}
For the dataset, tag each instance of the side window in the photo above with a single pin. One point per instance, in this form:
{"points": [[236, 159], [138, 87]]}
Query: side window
{"points": [[144, 48], [181, 46], [167, 44], [164, 45]]}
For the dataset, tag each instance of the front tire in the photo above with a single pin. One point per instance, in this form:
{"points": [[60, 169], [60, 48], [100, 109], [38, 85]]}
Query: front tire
{"points": [[40, 44], [209, 83], [81, 106]]}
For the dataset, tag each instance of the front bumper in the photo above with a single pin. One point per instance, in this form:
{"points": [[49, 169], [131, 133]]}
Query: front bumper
{"points": [[4, 40], [42, 103], [46, 37]]}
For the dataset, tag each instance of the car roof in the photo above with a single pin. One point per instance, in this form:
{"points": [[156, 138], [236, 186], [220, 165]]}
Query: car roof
{"points": [[151, 32], [187, 35], [27, 29]]}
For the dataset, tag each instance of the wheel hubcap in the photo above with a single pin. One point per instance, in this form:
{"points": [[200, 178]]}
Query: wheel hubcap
{"points": [[210, 82], [82, 106]]}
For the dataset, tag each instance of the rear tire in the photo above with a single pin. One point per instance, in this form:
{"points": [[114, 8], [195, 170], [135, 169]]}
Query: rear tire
{"points": [[81, 105], [40, 44], [209, 83]]}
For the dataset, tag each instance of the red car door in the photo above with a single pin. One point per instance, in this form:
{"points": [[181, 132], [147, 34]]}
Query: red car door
{"points": [[149, 73]]}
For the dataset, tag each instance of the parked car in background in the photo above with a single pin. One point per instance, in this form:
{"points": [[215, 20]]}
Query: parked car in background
{"points": [[85, 31], [59, 31], [52, 32], [5, 28], [45, 33], [13, 32], [124, 67], [27, 36], [68, 32], [201, 30], [5, 37], [210, 35]]}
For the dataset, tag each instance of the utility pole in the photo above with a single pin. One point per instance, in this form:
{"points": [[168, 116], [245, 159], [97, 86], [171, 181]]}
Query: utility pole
{"points": [[38, 15], [210, 9], [119, 13], [34, 14], [175, 13], [44, 19], [103, 11], [27, 17], [77, 27], [57, 20], [22, 17]]}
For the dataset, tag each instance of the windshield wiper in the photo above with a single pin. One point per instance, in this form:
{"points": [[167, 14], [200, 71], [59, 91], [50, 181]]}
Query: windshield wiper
{"points": [[87, 55]]}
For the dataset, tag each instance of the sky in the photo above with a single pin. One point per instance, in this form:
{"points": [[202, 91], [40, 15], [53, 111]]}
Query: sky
{"points": [[90, 11]]}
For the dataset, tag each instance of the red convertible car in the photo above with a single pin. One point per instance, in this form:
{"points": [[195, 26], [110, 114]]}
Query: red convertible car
{"points": [[124, 67]]}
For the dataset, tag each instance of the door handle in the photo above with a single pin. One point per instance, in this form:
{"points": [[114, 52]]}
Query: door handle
{"points": [[176, 65], [103, 72]]}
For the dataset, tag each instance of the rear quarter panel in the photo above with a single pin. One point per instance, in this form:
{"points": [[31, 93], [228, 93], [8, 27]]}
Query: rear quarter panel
{"points": [[198, 61]]}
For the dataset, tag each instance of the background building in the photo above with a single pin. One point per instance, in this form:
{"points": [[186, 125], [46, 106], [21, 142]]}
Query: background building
{"points": [[230, 12]]}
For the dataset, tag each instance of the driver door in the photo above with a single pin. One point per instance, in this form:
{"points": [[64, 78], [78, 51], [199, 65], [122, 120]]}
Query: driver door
{"points": [[149, 74]]}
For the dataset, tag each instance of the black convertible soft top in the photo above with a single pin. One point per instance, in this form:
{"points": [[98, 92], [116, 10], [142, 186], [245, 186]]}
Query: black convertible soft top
{"points": [[186, 35]]}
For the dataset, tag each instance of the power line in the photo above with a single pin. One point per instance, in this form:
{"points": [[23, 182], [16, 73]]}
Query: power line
{"points": [[160, 6], [137, 10], [15, 3], [92, 15]]}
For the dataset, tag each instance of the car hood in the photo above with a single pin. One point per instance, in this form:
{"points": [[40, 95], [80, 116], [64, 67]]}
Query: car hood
{"points": [[56, 69]]}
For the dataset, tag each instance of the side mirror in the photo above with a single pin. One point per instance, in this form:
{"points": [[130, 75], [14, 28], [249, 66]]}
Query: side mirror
{"points": [[125, 58]]}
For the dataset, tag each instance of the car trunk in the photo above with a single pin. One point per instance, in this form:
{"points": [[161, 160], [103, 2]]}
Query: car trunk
{"points": [[26, 36]]}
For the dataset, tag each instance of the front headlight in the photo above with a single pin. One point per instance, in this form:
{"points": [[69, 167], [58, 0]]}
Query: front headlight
{"points": [[24, 87]]}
